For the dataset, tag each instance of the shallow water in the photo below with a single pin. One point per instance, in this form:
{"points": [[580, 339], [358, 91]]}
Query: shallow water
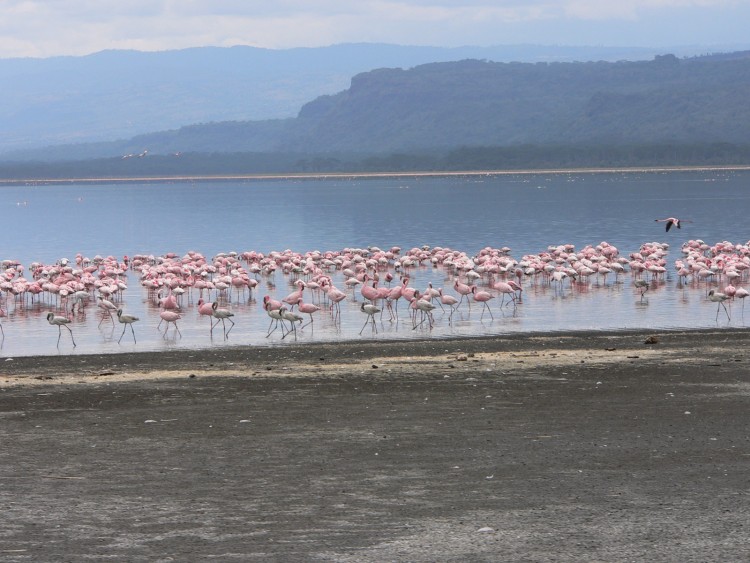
{"points": [[527, 213]]}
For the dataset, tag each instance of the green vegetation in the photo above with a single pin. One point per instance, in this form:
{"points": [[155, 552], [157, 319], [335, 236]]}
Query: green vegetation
{"points": [[466, 158], [460, 116]]}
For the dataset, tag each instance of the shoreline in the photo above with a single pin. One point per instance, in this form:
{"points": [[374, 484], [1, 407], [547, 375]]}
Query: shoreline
{"points": [[363, 175], [563, 447], [542, 350]]}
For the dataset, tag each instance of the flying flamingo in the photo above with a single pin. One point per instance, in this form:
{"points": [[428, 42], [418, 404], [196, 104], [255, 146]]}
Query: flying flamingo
{"points": [[59, 322], [126, 320], [672, 221]]}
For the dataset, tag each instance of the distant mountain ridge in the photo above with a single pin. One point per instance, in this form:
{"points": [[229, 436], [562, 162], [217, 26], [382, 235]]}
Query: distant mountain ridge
{"points": [[120, 94], [471, 103]]}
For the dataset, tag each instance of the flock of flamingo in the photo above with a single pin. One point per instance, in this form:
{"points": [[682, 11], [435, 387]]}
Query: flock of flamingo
{"points": [[323, 281]]}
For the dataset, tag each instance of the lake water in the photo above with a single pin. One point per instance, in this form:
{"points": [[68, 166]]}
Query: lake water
{"points": [[526, 212]]}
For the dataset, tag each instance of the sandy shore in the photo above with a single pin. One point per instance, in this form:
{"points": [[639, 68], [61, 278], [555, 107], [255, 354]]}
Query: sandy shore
{"points": [[362, 175], [558, 447]]}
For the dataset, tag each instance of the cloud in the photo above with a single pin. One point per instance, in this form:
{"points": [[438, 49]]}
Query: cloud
{"points": [[62, 27]]}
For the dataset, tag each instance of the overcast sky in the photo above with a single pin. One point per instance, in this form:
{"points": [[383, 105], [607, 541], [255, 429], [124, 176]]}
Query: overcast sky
{"points": [[44, 28]]}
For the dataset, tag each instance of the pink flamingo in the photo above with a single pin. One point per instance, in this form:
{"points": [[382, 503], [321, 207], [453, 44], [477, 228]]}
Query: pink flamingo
{"points": [[205, 310], [741, 293], [505, 288], [483, 297], [370, 292], [169, 302], [336, 296], [448, 300], [293, 298], [308, 309], [274, 304], [394, 294], [3, 314], [108, 308], [170, 317], [463, 290]]}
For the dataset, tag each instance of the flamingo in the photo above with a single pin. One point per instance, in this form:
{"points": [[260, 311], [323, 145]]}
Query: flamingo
{"points": [[309, 309], [642, 285], [505, 288], [221, 315], [268, 301], [169, 302], [59, 322], [462, 289], [293, 298], [292, 317], [170, 317], [370, 310], [126, 320], [741, 293], [425, 307], [370, 292], [483, 297], [2, 314], [206, 310], [275, 315], [672, 221], [448, 300], [107, 306], [717, 297]]}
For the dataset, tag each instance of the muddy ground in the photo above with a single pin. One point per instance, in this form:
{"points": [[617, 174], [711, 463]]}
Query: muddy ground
{"points": [[571, 447]]}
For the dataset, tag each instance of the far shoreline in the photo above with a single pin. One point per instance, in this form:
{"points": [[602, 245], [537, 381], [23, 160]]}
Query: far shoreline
{"points": [[365, 175]]}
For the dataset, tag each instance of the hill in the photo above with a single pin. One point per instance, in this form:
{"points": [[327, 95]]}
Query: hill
{"points": [[119, 94], [679, 105]]}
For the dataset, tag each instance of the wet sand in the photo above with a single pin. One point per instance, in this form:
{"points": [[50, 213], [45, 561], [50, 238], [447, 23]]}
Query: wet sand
{"points": [[559, 447]]}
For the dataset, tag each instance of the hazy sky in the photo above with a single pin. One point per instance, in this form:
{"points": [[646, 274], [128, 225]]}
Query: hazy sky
{"points": [[43, 28]]}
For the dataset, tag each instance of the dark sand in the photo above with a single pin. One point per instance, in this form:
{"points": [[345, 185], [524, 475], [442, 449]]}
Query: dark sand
{"points": [[546, 448]]}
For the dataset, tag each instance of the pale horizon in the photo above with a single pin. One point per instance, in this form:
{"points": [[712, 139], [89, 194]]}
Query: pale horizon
{"points": [[41, 29]]}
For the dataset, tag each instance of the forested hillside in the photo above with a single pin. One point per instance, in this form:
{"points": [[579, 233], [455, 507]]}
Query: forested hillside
{"points": [[683, 109]]}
